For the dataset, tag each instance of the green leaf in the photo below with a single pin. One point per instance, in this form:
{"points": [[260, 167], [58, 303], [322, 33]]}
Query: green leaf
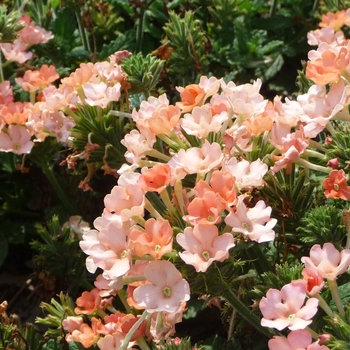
{"points": [[274, 67], [52, 345]]}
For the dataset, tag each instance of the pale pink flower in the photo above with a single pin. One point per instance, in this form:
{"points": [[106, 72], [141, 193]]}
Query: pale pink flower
{"points": [[119, 56], [59, 125], [33, 34], [108, 287], [166, 291], [71, 323], [327, 35], [203, 245], [6, 93], [101, 94], [296, 340], [110, 342], [201, 121], [246, 101], [108, 250], [320, 106], [247, 174], [109, 71], [166, 329], [137, 144], [196, 160], [287, 308], [16, 140], [293, 145], [255, 223], [237, 135], [16, 52], [124, 202], [59, 98], [328, 261]]}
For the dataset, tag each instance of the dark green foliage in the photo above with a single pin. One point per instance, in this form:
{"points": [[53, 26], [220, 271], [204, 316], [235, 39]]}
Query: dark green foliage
{"points": [[59, 256], [339, 147], [282, 275], [322, 224], [143, 72], [97, 126]]}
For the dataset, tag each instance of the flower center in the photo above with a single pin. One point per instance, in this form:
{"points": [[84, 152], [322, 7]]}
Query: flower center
{"points": [[157, 248], [245, 226], [17, 146], [291, 316], [206, 255], [167, 292], [123, 254], [336, 187]]}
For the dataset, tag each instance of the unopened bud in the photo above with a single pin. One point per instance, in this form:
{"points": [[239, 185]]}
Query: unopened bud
{"points": [[324, 338], [333, 163]]}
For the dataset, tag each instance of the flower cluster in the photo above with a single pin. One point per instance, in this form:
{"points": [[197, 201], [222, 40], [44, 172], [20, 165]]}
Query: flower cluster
{"points": [[190, 195]]}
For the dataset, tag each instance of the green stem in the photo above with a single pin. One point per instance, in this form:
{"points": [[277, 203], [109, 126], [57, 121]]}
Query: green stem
{"points": [[82, 32], [121, 114], [245, 312], [132, 330], [322, 303], [333, 286], [273, 8], [315, 6], [139, 33], [67, 202], [312, 166], [150, 208], [123, 300]]}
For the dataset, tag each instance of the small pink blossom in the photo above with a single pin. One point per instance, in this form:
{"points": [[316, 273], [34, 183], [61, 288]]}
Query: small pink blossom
{"points": [[255, 223], [203, 245], [287, 308], [196, 160], [328, 261], [16, 140], [247, 174], [108, 250], [201, 121], [166, 291], [296, 340], [16, 52], [100, 94], [124, 202], [6, 93]]}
